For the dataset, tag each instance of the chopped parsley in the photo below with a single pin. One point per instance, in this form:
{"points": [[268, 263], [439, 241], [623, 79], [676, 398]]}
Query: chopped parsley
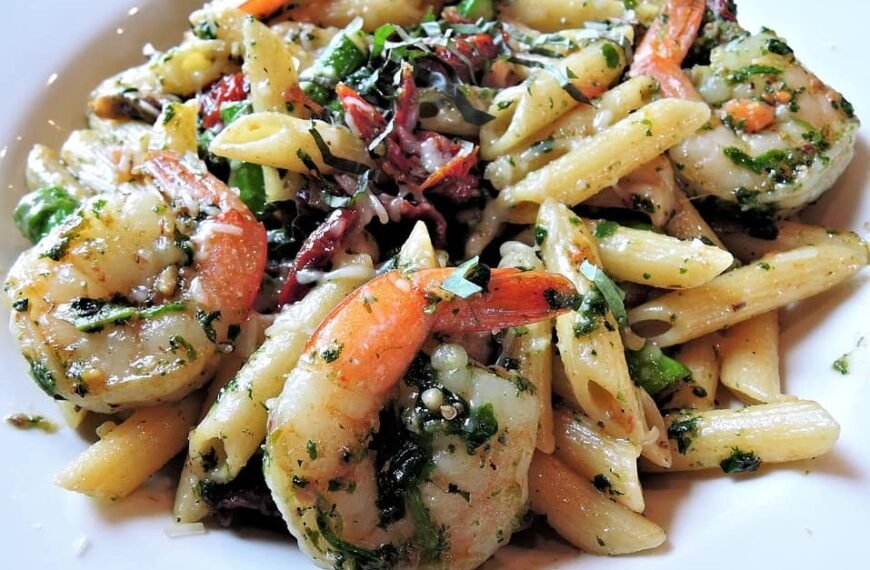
{"points": [[603, 484], [605, 228], [206, 321], [744, 73], [740, 461], [611, 56], [779, 47], [682, 431], [332, 353], [841, 365]]}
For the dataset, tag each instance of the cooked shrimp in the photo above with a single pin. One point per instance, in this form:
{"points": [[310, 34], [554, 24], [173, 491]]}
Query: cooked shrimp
{"points": [[374, 465], [779, 138], [134, 298]]}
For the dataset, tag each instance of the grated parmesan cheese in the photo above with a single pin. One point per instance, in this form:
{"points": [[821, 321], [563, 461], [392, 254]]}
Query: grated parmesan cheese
{"points": [[80, 545]]}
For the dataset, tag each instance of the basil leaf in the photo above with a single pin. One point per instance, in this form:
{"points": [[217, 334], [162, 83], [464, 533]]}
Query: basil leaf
{"points": [[612, 294], [457, 284]]}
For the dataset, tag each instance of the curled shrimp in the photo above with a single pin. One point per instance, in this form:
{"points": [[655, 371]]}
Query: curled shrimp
{"points": [[136, 296], [379, 458], [779, 136]]}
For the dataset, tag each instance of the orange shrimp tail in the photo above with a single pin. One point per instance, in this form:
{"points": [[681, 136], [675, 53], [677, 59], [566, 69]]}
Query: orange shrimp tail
{"points": [[667, 43], [370, 338], [231, 269], [515, 298]]}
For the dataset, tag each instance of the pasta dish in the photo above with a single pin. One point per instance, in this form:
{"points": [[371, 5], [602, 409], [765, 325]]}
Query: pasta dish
{"points": [[405, 278]]}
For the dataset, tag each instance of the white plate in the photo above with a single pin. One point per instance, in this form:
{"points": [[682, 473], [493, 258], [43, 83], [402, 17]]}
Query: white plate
{"points": [[801, 516]]}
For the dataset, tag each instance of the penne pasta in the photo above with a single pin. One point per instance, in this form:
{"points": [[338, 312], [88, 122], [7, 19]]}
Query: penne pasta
{"points": [[790, 235], [552, 15], [590, 344], [584, 516], [657, 260], [271, 72], [522, 111], [738, 295], [749, 352], [568, 131], [374, 13], [175, 128], [127, 456], [601, 160], [741, 439], [281, 141], [609, 463], [189, 506]]}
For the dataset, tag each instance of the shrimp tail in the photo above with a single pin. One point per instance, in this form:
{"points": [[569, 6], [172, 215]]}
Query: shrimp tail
{"points": [[514, 298], [370, 338], [666, 44]]}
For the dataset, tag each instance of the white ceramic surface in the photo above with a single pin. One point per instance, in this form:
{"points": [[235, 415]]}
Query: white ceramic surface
{"points": [[807, 515]]}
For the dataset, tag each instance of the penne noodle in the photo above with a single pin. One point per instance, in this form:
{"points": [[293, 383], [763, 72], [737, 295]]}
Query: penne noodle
{"points": [[127, 456], [375, 13], [657, 260], [553, 15], [522, 111], [175, 128], [740, 294], [743, 438], [584, 516], [750, 359], [790, 236], [188, 68], [271, 72], [269, 67], [594, 358], [570, 130], [610, 463], [281, 141], [189, 506], [602, 160]]}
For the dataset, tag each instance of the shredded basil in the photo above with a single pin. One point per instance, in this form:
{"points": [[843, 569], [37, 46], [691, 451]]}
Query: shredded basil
{"points": [[92, 315], [612, 294], [740, 461], [336, 162], [744, 73], [458, 283]]}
